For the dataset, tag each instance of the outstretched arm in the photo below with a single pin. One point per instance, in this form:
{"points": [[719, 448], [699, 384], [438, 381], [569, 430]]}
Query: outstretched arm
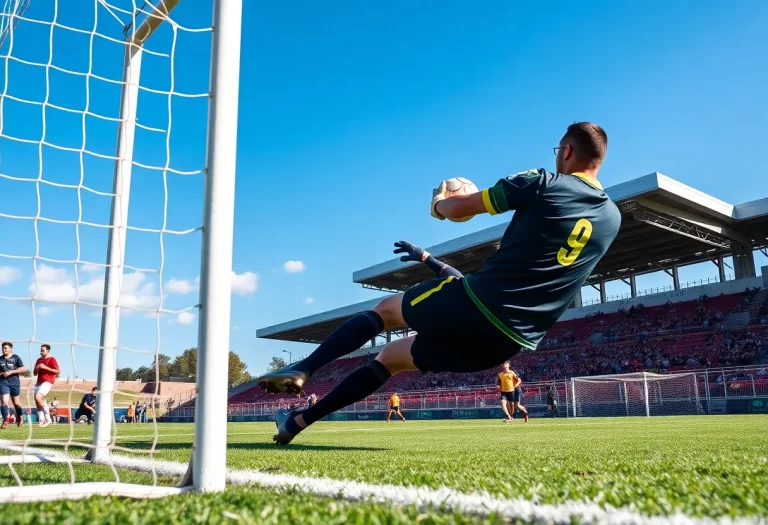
{"points": [[510, 193], [415, 253], [457, 206]]}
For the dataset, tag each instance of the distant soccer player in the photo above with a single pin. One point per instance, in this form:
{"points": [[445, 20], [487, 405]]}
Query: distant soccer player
{"points": [[562, 227], [552, 402], [394, 407], [509, 385], [55, 410], [517, 398], [46, 370], [11, 367], [87, 407]]}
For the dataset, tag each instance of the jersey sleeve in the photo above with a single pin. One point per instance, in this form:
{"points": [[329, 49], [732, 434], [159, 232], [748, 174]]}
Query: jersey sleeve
{"points": [[18, 362], [54, 363], [512, 192]]}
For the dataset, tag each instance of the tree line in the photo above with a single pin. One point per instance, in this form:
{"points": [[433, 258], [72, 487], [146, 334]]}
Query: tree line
{"points": [[183, 367]]}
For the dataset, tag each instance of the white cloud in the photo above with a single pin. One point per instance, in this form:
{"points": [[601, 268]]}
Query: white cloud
{"points": [[294, 266], [92, 268], [185, 318], [43, 310], [244, 283], [309, 300], [180, 286], [58, 285], [9, 274]]}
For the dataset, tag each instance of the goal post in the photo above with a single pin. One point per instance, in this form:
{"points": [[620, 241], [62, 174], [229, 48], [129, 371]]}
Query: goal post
{"points": [[207, 466], [636, 394]]}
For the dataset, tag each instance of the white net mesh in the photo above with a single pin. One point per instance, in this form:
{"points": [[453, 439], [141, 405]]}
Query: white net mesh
{"points": [[60, 113], [640, 394]]}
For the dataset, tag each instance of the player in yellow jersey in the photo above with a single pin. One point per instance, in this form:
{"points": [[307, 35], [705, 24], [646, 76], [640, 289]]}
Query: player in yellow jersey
{"points": [[394, 406], [509, 384]]}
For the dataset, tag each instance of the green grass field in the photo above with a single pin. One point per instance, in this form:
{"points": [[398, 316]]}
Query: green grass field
{"points": [[703, 466]]}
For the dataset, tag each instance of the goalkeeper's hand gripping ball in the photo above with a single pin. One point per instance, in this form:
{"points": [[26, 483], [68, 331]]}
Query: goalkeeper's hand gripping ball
{"points": [[449, 188]]}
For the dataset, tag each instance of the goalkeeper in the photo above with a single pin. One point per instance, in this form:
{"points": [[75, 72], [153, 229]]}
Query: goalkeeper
{"points": [[562, 226]]}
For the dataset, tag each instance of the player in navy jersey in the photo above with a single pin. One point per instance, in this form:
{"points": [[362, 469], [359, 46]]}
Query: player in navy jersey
{"points": [[11, 367], [563, 225]]}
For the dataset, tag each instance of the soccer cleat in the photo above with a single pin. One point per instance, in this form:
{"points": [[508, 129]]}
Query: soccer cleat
{"points": [[19, 422], [44, 424], [4, 425], [289, 380], [282, 416]]}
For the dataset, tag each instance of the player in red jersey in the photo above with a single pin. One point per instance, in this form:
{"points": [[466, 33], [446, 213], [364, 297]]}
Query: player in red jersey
{"points": [[46, 370]]}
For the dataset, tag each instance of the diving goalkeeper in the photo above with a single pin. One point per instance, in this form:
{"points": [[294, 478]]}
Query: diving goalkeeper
{"points": [[562, 226]]}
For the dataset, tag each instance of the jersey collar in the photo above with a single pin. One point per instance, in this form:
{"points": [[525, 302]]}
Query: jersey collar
{"points": [[589, 180]]}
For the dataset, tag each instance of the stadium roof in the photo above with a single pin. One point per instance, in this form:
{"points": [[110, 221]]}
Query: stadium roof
{"points": [[664, 223]]}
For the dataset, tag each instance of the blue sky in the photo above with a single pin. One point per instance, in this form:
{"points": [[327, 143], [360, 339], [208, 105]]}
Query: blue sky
{"points": [[349, 114]]}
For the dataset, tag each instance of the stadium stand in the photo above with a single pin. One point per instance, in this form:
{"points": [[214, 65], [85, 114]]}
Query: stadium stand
{"points": [[688, 335]]}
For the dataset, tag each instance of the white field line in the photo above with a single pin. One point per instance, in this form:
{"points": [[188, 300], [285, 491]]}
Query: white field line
{"points": [[394, 427], [481, 503]]}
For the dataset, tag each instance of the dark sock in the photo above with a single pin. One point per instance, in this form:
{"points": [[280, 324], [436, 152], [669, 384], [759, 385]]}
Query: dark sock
{"points": [[19, 411], [4, 410], [356, 386], [347, 338]]}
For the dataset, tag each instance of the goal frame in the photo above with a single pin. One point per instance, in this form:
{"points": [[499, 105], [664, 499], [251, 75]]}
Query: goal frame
{"points": [[630, 377], [207, 467]]}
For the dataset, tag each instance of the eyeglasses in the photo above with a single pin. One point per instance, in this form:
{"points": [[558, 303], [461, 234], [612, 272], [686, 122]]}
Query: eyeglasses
{"points": [[556, 148]]}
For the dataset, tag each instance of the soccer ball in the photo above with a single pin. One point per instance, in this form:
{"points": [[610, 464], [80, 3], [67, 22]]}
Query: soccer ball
{"points": [[460, 186]]}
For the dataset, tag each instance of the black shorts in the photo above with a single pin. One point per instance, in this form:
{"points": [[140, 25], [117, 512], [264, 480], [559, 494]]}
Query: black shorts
{"points": [[395, 409], [453, 335], [87, 413], [509, 396], [517, 395]]}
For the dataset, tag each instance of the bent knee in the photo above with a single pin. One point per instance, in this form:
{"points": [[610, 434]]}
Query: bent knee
{"points": [[391, 311], [396, 356]]}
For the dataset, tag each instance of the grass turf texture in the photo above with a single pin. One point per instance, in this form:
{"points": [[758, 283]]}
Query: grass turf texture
{"points": [[701, 465]]}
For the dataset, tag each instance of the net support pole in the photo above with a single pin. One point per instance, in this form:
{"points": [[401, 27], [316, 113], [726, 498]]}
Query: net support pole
{"points": [[210, 446], [573, 395], [645, 394], [706, 391], [113, 279]]}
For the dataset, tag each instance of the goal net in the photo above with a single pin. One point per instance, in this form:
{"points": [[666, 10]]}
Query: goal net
{"points": [[637, 394], [118, 127]]}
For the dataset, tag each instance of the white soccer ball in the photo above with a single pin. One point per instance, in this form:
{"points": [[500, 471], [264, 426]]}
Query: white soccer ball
{"points": [[460, 186]]}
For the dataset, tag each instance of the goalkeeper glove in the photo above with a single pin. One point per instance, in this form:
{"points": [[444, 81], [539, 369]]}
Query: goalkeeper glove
{"points": [[411, 251], [438, 194]]}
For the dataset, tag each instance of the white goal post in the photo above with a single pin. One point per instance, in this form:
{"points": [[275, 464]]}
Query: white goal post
{"points": [[635, 394], [123, 30]]}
